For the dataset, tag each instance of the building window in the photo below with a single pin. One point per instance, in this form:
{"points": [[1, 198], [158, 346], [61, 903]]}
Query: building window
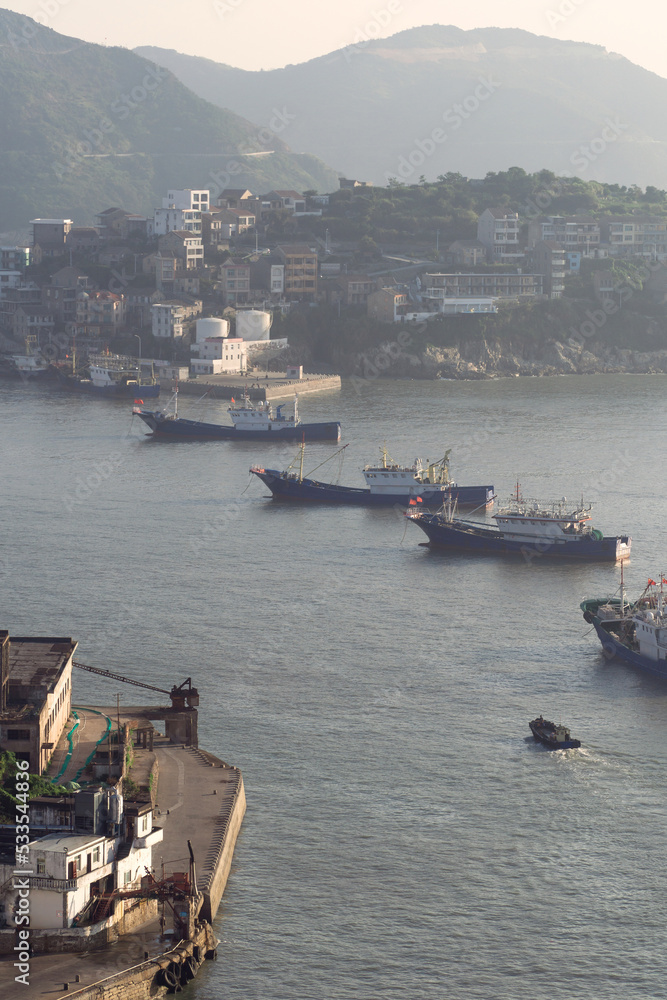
{"points": [[41, 866], [18, 734], [96, 856]]}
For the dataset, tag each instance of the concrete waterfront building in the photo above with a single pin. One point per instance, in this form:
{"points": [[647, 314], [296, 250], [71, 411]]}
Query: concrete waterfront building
{"points": [[35, 696], [439, 287], [107, 847], [218, 355]]}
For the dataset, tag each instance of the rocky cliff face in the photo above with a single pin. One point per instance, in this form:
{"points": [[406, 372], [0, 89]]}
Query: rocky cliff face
{"points": [[492, 359]]}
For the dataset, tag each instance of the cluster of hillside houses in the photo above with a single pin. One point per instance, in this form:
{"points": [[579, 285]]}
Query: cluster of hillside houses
{"points": [[168, 269], [83, 845]]}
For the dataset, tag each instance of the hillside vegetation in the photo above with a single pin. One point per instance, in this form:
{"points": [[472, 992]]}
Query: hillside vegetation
{"points": [[84, 127]]}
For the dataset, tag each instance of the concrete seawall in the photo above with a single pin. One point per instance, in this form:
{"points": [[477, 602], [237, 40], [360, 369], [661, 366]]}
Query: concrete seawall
{"points": [[258, 388], [154, 977], [201, 800]]}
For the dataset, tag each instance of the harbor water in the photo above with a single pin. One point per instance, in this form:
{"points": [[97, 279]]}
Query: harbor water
{"points": [[405, 837]]}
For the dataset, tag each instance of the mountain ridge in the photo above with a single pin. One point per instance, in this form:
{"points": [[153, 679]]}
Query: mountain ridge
{"points": [[84, 126], [365, 108]]}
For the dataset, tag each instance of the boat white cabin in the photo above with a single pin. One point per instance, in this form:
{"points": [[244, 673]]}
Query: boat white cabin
{"points": [[29, 364], [419, 479], [106, 375], [527, 519], [650, 621], [248, 417]]}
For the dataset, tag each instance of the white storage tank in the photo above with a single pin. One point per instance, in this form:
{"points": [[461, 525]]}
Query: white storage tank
{"points": [[211, 327], [253, 324]]}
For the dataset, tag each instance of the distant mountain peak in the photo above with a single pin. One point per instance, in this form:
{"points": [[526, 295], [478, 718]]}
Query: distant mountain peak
{"points": [[413, 104]]}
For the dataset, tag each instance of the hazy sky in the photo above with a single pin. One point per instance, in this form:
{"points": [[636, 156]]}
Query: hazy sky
{"points": [[263, 34]]}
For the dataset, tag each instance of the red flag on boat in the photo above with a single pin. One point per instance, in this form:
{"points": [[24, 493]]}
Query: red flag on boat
{"points": [[412, 503], [419, 500], [651, 583], [232, 399], [139, 401], [663, 580]]}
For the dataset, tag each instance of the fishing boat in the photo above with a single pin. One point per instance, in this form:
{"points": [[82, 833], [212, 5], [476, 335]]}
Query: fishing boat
{"points": [[525, 527], [29, 367], [250, 422], [635, 631], [387, 483], [114, 376], [554, 736]]}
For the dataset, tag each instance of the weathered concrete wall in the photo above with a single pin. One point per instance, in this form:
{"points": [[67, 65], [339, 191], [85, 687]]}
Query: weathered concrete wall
{"points": [[151, 978], [257, 391], [82, 939], [225, 835]]}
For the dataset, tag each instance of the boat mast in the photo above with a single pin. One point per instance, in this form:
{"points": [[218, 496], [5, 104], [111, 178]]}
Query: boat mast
{"points": [[303, 448], [622, 590]]}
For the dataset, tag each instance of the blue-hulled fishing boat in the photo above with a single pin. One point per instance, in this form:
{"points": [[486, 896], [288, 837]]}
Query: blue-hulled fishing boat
{"points": [[426, 483]]}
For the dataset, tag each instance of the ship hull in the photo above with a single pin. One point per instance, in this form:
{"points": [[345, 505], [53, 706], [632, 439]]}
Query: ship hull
{"points": [[310, 490], [31, 375], [195, 430], [614, 648], [470, 538], [120, 391]]}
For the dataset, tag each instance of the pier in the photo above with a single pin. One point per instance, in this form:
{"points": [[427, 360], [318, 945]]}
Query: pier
{"points": [[260, 387]]}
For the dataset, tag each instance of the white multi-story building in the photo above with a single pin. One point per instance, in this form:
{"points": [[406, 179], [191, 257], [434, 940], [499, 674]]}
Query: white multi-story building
{"points": [[69, 871], [635, 235], [498, 230], [219, 354], [181, 210], [166, 220], [167, 319], [189, 199], [574, 233], [277, 279]]}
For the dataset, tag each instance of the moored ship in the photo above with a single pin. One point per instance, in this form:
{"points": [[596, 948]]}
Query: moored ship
{"points": [[388, 483], [633, 631], [113, 376], [528, 528], [250, 422], [28, 367]]}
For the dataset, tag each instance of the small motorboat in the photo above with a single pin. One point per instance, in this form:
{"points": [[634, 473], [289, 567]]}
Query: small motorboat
{"points": [[554, 736]]}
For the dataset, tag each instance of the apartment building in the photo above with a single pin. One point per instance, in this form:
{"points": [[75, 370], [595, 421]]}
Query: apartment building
{"points": [[300, 272], [498, 231]]}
